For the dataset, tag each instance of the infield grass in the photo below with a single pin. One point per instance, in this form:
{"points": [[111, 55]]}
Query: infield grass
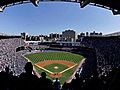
{"points": [[61, 67]]}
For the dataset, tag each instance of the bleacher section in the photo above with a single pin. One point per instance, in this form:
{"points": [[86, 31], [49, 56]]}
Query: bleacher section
{"points": [[8, 55], [107, 51]]}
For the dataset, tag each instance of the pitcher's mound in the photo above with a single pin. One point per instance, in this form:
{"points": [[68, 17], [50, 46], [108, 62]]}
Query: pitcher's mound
{"points": [[56, 67]]}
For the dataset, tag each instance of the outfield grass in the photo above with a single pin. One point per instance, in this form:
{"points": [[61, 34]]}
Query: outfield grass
{"points": [[67, 75], [38, 57]]}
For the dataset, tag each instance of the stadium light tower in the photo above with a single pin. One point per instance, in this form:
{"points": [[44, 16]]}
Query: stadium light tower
{"points": [[2, 8], [83, 3], [35, 2], [115, 12]]}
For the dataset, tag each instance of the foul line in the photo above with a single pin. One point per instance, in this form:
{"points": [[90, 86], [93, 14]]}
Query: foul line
{"points": [[48, 70], [44, 69], [80, 64], [68, 69], [35, 71]]}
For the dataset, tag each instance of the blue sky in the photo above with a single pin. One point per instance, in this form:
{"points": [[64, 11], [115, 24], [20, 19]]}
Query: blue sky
{"points": [[55, 17]]}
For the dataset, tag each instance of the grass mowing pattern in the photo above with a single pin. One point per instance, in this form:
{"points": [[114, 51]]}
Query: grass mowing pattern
{"points": [[67, 75], [38, 57]]}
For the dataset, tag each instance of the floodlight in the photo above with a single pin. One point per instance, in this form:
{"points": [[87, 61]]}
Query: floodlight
{"points": [[115, 12], [2, 8], [35, 2], [83, 3]]}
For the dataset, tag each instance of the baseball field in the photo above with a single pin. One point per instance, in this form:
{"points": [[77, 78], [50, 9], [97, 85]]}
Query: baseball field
{"points": [[56, 64]]}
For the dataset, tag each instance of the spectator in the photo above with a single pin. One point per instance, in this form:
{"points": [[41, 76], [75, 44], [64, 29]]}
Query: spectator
{"points": [[46, 84], [56, 84], [27, 79]]}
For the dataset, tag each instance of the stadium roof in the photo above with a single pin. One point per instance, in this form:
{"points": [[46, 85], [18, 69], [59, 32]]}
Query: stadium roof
{"points": [[113, 5], [113, 34]]}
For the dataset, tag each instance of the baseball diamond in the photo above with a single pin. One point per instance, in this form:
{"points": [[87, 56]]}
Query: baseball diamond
{"points": [[56, 64]]}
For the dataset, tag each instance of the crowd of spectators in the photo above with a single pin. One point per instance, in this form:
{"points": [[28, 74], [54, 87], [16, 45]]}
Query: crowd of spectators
{"points": [[104, 60], [28, 80], [17, 74], [107, 52], [9, 57]]}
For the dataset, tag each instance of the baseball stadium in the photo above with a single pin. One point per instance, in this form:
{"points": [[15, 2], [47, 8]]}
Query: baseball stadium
{"points": [[33, 67], [90, 62]]}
